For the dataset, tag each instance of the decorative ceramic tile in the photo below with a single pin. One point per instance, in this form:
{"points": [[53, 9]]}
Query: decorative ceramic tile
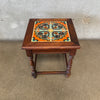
{"points": [[50, 31]]}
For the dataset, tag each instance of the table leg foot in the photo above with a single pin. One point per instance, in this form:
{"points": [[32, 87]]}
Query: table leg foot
{"points": [[68, 73], [34, 74]]}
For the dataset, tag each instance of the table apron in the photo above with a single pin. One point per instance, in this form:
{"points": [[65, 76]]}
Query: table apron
{"points": [[51, 51]]}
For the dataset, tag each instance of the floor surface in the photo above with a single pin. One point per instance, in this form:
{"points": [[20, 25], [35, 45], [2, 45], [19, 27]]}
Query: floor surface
{"points": [[16, 82]]}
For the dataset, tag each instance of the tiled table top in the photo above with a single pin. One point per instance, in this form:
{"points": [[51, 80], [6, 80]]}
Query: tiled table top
{"points": [[48, 34], [50, 31]]}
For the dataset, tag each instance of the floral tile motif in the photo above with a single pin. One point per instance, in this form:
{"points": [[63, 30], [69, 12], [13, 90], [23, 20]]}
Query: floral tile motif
{"points": [[50, 31]]}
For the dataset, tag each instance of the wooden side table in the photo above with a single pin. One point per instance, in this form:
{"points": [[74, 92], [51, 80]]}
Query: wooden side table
{"points": [[44, 36]]}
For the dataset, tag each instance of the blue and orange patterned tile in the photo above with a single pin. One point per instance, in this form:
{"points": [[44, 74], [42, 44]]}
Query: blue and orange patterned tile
{"points": [[50, 31]]}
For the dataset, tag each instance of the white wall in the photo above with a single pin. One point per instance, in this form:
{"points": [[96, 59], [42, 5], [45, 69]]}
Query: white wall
{"points": [[14, 16]]}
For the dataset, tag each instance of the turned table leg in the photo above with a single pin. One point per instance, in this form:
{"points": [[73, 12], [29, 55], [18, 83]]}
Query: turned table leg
{"points": [[32, 63], [69, 64], [34, 72]]}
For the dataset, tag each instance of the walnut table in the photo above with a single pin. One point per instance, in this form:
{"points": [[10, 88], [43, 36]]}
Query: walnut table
{"points": [[45, 36]]}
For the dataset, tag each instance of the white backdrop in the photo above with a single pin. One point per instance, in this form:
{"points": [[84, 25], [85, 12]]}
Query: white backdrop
{"points": [[14, 16]]}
